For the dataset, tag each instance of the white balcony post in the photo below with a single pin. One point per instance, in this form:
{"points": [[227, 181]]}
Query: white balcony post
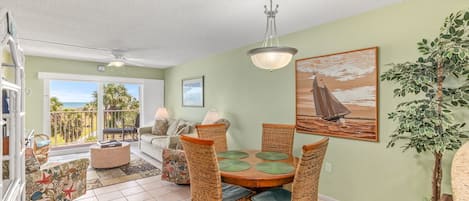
{"points": [[100, 112], [46, 107]]}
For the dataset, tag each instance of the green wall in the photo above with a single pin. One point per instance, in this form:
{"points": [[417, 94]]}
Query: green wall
{"points": [[34, 100], [249, 96]]}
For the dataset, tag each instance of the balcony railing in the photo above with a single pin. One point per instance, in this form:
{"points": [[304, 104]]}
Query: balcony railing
{"points": [[80, 127]]}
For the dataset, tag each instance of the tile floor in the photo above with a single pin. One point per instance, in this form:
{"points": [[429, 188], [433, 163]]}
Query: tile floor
{"points": [[146, 189]]}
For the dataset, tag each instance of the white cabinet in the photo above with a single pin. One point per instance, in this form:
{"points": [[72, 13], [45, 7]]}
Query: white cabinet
{"points": [[12, 112]]}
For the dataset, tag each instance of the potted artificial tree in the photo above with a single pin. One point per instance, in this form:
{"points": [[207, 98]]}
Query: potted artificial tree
{"points": [[439, 83]]}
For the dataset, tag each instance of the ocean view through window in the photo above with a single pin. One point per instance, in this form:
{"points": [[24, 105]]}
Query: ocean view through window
{"points": [[73, 104]]}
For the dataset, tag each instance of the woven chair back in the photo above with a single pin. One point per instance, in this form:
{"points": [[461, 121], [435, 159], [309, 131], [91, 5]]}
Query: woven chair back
{"points": [[203, 169], [215, 132], [460, 174], [306, 182], [278, 137]]}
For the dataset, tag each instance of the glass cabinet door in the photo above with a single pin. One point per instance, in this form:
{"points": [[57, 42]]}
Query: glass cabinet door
{"points": [[11, 113]]}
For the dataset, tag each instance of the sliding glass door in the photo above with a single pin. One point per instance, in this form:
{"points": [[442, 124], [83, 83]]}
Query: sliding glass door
{"points": [[121, 111], [84, 112]]}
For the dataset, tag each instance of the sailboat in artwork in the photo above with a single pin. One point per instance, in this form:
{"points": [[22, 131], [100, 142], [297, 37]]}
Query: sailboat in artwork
{"points": [[327, 106]]}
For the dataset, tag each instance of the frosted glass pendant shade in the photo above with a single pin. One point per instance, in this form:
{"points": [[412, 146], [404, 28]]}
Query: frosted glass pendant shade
{"points": [[272, 58]]}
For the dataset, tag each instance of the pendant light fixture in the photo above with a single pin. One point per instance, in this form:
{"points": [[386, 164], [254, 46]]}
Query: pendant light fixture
{"points": [[271, 55]]}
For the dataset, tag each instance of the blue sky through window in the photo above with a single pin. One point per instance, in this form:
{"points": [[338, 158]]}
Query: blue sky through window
{"points": [[73, 91]]}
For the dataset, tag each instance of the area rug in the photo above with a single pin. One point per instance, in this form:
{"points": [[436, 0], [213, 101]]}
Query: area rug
{"points": [[136, 169]]}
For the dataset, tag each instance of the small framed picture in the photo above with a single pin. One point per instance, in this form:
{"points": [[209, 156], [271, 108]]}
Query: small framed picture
{"points": [[193, 92]]}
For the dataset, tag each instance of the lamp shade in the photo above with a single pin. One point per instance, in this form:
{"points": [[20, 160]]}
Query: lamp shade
{"points": [[272, 58], [211, 117], [161, 114]]}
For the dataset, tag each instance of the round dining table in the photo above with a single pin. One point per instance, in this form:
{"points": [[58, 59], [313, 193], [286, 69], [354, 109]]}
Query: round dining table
{"points": [[253, 178]]}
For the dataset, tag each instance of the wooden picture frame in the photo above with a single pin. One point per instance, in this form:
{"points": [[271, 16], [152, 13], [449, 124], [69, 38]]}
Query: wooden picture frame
{"points": [[193, 92], [337, 94]]}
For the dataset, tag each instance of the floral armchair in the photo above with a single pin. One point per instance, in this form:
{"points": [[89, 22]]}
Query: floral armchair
{"points": [[59, 182], [175, 164], [175, 167]]}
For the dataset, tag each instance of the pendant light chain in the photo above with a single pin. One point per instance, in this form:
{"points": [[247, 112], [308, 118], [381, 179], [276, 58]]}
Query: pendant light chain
{"points": [[275, 32], [270, 37]]}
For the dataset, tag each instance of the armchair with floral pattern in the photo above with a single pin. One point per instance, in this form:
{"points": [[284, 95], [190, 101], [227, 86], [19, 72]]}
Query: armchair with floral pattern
{"points": [[59, 182], [175, 167]]}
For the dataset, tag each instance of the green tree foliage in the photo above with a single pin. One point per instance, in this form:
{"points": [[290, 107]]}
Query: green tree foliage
{"points": [[116, 97], [64, 122], [426, 123], [55, 104]]}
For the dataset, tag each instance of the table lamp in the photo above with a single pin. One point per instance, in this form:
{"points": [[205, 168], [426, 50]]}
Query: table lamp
{"points": [[161, 114], [211, 117]]}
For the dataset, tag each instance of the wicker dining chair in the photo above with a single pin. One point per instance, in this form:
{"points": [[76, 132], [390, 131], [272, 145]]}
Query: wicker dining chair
{"points": [[215, 132], [204, 174], [278, 137], [306, 181], [460, 174]]}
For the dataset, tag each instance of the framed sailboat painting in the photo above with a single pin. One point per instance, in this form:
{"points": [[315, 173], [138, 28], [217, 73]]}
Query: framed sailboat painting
{"points": [[336, 94]]}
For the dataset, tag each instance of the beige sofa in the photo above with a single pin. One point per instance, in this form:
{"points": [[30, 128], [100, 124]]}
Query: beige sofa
{"points": [[153, 145]]}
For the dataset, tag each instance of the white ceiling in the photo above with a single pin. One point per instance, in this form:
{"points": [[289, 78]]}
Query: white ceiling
{"points": [[162, 33]]}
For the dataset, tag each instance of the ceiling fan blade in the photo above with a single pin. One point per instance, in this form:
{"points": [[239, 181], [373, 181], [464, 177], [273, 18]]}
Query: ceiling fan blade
{"points": [[135, 62], [139, 49]]}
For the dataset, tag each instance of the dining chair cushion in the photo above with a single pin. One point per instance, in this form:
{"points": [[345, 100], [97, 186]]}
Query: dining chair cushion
{"points": [[172, 127], [274, 194], [232, 192]]}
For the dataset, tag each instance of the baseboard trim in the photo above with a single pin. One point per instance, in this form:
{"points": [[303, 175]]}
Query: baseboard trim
{"points": [[326, 198]]}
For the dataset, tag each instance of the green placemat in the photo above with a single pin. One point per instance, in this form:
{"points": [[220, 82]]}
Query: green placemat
{"points": [[272, 156], [233, 154], [274, 167], [229, 165]]}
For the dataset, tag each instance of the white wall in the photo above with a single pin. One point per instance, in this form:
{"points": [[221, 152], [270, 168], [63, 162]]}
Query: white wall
{"points": [[153, 97]]}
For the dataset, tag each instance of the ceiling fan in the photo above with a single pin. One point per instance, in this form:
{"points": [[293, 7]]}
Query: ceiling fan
{"points": [[120, 60], [114, 57]]}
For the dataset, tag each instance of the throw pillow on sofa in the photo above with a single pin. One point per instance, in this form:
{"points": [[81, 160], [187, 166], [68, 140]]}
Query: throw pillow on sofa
{"points": [[223, 121], [160, 127], [172, 127], [184, 127]]}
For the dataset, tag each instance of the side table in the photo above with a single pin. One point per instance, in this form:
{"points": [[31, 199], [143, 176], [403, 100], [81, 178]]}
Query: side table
{"points": [[109, 157]]}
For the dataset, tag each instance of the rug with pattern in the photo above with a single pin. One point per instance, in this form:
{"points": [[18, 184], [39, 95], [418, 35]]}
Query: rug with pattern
{"points": [[136, 169]]}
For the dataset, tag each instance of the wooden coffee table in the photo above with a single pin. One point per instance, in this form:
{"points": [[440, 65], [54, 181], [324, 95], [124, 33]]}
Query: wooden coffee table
{"points": [[109, 157], [252, 178]]}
